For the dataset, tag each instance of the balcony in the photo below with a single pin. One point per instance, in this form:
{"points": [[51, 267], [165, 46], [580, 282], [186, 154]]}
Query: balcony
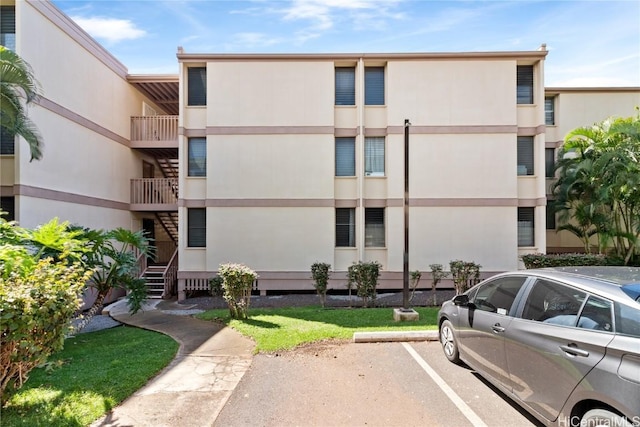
{"points": [[154, 132], [154, 194]]}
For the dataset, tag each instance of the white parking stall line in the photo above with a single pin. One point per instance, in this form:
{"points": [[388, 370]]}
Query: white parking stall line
{"points": [[457, 400]]}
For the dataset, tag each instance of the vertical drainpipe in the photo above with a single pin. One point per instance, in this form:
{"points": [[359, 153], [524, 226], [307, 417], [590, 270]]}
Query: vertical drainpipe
{"points": [[360, 165]]}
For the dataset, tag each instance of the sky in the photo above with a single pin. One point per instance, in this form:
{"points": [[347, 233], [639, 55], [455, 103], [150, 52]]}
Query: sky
{"points": [[590, 43]]}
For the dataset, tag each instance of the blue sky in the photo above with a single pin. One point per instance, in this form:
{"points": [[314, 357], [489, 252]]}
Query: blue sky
{"points": [[590, 43]]}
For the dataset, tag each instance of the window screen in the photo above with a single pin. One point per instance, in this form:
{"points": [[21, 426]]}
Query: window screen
{"points": [[345, 86], [345, 227], [345, 156], [525, 155], [525, 84], [197, 86], [197, 157], [549, 111], [196, 227], [526, 226], [374, 86], [374, 227], [374, 156]]}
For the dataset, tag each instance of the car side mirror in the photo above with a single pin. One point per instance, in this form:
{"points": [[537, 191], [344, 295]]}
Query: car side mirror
{"points": [[462, 300]]}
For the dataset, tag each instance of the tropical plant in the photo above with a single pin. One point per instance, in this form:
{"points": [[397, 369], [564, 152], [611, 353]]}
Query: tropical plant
{"points": [[414, 278], [364, 276], [237, 282], [38, 298], [17, 82], [437, 274], [215, 286], [320, 276], [598, 188]]}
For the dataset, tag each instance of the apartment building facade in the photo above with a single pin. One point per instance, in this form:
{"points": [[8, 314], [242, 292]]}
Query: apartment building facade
{"points": [[279, 161]]}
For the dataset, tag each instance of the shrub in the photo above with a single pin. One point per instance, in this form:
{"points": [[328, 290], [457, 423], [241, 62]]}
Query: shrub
{"points": [[215, 286], [320, 276], [437, 274], [237, 282], [567, 260], [364, 275], [414, 277], [37, 302], [462, 272]]}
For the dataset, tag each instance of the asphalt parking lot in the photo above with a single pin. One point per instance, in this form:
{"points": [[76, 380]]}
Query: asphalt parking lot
{"points": [[374, 384]]}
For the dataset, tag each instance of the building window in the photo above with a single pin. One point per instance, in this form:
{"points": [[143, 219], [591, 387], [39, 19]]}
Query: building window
{"points": [[345, 86], [8, 207], [374, 156], [345, 156], [526, 226], [374, 86], [197, 227], [374, 227], [197, 156], [525, 84], [197, 86], [7, 142], [345, 227], [525, 155], [551, 216], [549, 162], [8, 27], [549, 110]]}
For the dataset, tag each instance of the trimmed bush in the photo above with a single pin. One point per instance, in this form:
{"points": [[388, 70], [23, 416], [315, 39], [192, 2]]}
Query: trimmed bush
{"points": [[567, 260], [437, 274], [364, 275], [462, 272], [215, 286], [320, 276], [237, 282]]}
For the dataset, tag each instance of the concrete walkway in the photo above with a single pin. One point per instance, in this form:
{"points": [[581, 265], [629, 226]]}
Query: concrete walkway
{"points": [[194, 387]]}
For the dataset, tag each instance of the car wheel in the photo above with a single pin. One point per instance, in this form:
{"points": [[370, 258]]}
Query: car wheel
{"points": [[448, 341], [602, 417]]}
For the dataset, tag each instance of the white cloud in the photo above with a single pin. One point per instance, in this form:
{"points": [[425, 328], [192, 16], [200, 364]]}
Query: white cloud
{"points": [[111, 30]]}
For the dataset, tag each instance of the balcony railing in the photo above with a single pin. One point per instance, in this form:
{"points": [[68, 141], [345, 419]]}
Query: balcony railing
{"points": [[154, 191], [154, 128]]}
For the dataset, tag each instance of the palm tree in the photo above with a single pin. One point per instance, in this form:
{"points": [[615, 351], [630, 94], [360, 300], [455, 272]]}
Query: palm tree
{"points": [[17, 82]]}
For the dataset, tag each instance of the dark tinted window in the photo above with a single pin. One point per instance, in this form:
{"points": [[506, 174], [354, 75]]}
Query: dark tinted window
{"points": [[554, 303], [345, 86], [596, 314], [374, 86], [196, 227], [627, 320], [197, 86], [525, 84], [498, 295]]}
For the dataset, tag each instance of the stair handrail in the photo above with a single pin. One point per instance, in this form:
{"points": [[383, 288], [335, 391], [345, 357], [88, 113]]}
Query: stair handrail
{"points": [[170, 275], [141, 263]]}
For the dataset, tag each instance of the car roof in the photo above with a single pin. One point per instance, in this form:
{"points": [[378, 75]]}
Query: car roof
{"points": [[619, 283]]}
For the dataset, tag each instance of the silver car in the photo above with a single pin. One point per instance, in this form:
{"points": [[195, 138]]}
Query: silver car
{"points": [[563, 343]]}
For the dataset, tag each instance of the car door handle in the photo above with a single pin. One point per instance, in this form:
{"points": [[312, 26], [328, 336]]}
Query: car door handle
{"points": [[573, 350], [497, 328]]}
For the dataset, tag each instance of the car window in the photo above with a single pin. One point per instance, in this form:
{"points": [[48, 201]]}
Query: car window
{"points": [[554, 303], [596, 314], [498, 295], [627, 320]]}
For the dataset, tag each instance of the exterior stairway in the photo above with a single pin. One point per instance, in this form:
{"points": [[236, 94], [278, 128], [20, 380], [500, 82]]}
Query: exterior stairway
{"points": [[154, 276]]}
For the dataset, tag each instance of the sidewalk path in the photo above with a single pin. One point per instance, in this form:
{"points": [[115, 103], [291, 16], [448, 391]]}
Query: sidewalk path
{"points": [[194, 387]]}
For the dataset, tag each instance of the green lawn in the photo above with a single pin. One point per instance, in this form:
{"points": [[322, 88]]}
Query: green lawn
{"points": [[284, 328], [92, 374]]}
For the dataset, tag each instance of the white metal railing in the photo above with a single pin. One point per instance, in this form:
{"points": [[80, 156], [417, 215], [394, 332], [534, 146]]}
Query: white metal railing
{"points": [[154, 191], [154, 128]]}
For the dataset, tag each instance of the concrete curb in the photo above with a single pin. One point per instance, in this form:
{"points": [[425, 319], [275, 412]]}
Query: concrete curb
{"points": [[393, 336]]}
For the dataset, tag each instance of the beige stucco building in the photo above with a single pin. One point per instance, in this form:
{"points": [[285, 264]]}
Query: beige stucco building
{"points": [[279, 161]]}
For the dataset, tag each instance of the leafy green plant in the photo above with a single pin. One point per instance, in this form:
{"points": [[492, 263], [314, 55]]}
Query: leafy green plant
{"points": [[237, 282], [462, 272], [37, 302], [364, 276], [437, 274], [320, 276], [215, 286], [414, 277], [567, 260]]}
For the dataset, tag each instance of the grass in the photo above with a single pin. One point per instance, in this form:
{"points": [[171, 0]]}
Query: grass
{"points": [[284, 328], [92, 374]]}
